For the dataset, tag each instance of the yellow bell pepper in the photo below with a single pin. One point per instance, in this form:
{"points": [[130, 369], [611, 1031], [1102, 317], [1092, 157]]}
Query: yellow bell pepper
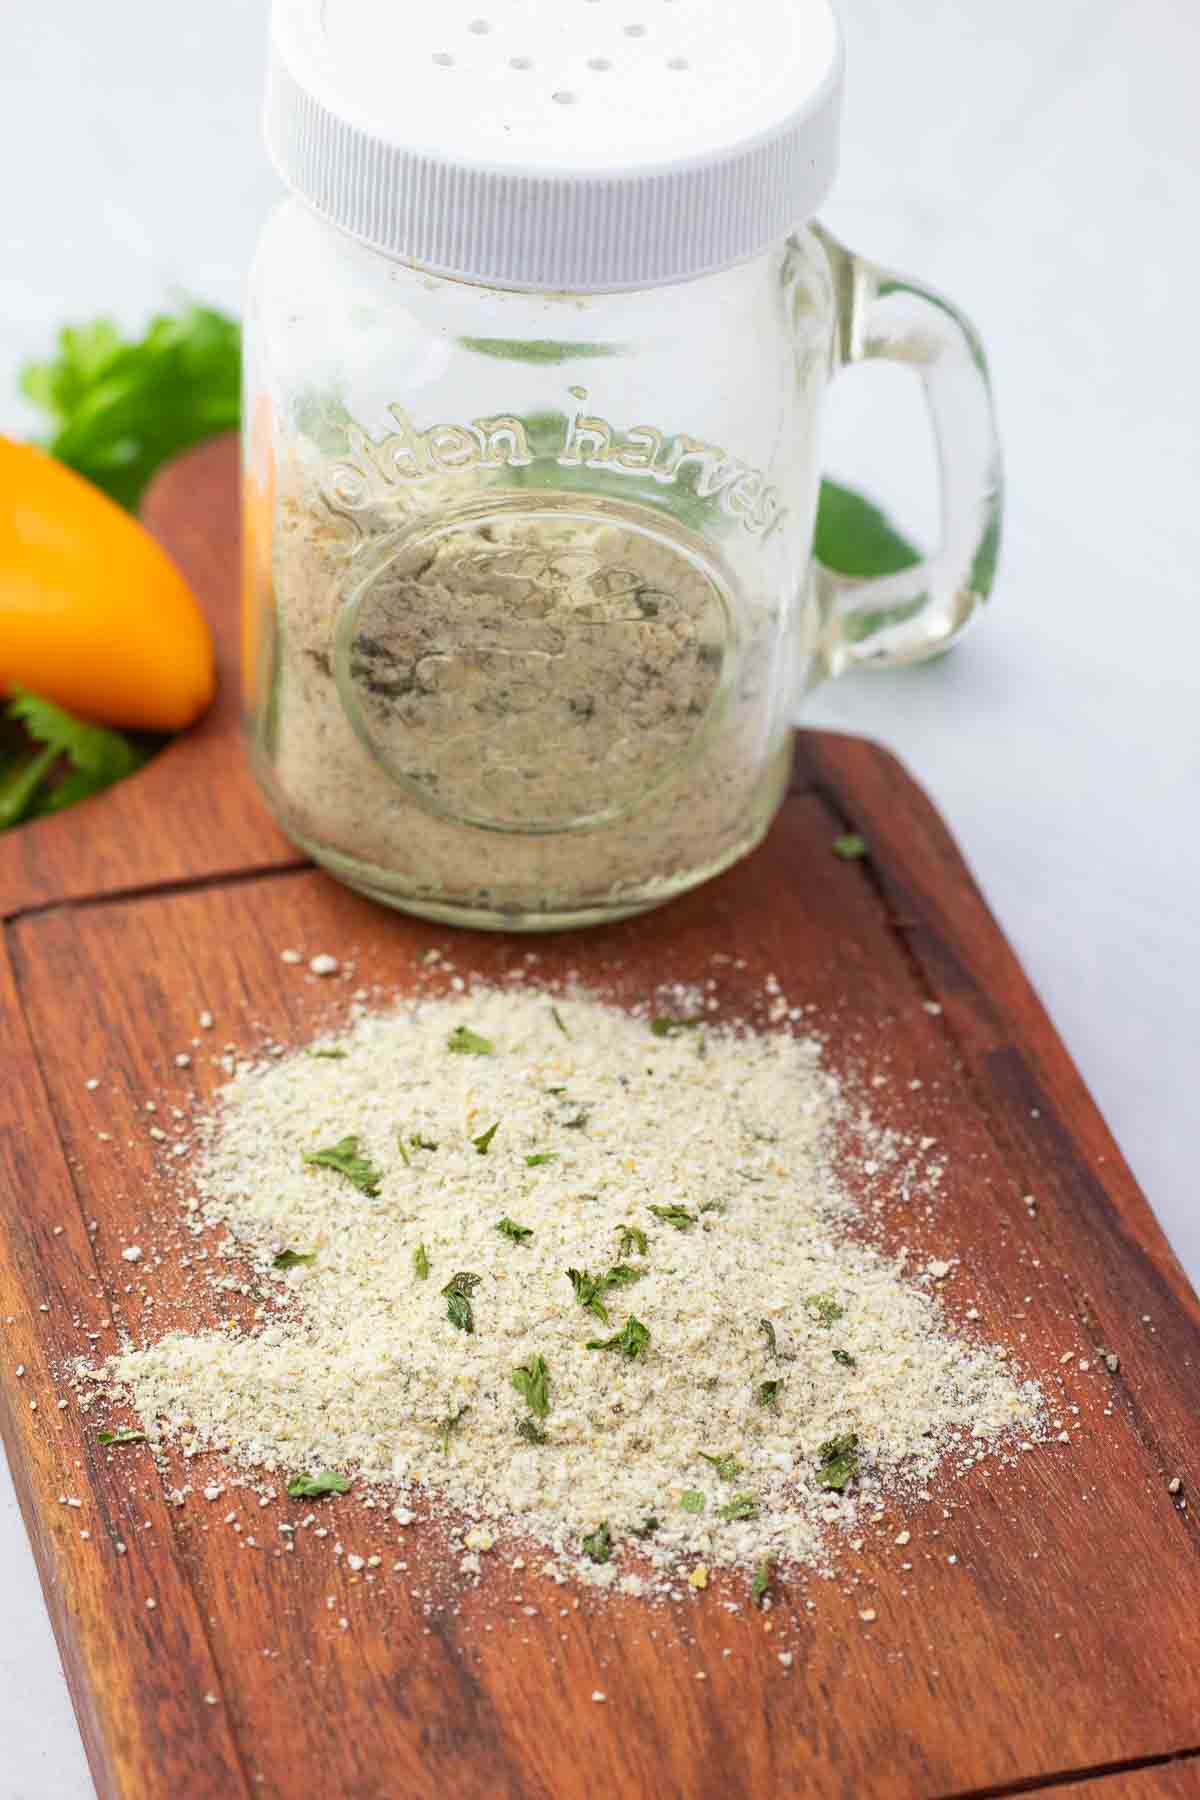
{"points": [[93, 613]]}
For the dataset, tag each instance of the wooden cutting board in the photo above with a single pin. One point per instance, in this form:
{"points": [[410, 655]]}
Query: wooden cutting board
{"points": [[1045, 1632]]}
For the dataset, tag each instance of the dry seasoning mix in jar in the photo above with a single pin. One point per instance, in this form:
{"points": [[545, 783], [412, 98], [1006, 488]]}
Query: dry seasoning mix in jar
{"points": [[536, 357]]}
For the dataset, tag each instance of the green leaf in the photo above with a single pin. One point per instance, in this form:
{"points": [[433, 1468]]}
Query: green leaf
{"points": [[542, 1156], [850, 848], [742, 1506], [623, 1275], [483, 1142], [347, 1159], [457, 1293], [678, 1216], [856, 539], [762, 1582], [120, 1437], [767, 1393], [311, 1487], [726, 1466], [591, 1289], [421, 1263], [465, 1042], [632, 1239], [598, 1544], [120, 407], [293, 1259], [447, 1426], [544, 351], [96, 758], [824, 1309], [532, 1432], [691, 1500], [519, 1234], [532, 1382], [632, 1340], [669, 1028], [19, 786], [838, 1461]]}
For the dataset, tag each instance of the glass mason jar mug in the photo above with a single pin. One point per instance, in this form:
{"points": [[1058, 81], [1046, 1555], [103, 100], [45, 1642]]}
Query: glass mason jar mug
{"points": [[532, 453]]}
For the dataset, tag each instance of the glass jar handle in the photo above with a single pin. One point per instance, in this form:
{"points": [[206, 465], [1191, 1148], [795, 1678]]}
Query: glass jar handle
{"points": [[906, 617]]}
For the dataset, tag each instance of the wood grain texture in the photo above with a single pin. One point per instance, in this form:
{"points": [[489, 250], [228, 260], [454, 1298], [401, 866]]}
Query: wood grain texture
{"points": [[1060, 1639], [193, 812]]}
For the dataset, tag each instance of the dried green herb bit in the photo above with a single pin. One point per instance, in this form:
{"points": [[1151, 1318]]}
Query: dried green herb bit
{"points": [[678, 1216], [465, 1042], [768, 1330], [669, 1028], [726, 1466], [421, 1263], [483, 1142], [458, 1291], [762, 1582], [824, 1309], [692, 1500], [838, 1464], [844, 1357], [632, 1340], [591, 1289], [312, 1487], [632, 1239], [850, 848], [767, 1393], [532, 1432], [293, 1259], [598, 1544], [447, 1426], [532, 1382], [520, 1234], [120, 1437], [742, 1506], [347, 1158]]}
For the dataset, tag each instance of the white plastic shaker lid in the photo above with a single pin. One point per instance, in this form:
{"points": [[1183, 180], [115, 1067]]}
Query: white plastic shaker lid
{"points": [[582, 145]]}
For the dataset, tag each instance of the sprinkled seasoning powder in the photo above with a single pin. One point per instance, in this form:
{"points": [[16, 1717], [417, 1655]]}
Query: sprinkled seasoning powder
{"points": [[587, 1276]]}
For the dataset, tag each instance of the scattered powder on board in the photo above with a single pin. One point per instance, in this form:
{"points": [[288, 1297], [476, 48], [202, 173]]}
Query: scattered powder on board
{"points": [[588, 1277]]}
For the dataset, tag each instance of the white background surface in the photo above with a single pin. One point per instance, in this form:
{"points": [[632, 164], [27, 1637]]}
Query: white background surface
{"points": [[1039, 162]]}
